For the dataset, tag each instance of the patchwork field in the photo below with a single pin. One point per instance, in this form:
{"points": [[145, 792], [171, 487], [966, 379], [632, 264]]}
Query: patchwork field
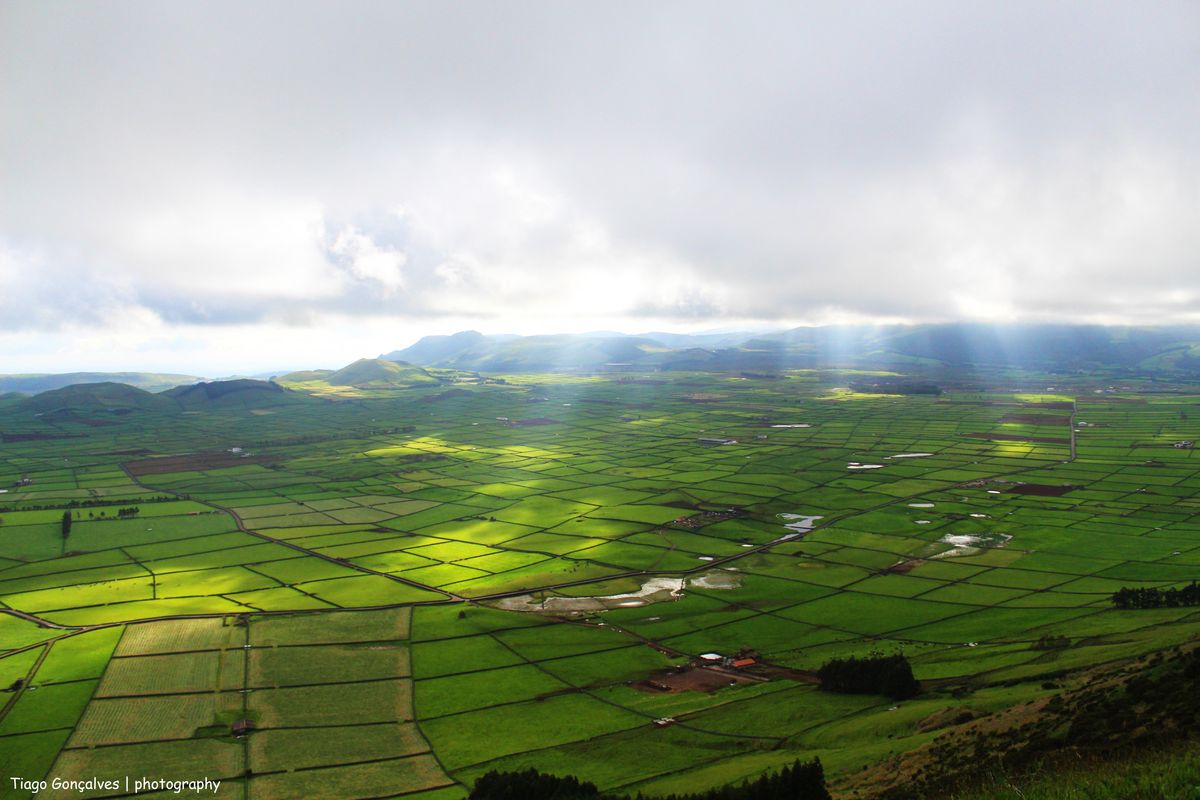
{"points": [[390, 596]]}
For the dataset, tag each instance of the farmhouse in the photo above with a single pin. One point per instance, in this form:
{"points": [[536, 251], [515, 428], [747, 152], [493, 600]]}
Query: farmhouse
{"points": [[715, 440], [1186, 444], [243, 727]]}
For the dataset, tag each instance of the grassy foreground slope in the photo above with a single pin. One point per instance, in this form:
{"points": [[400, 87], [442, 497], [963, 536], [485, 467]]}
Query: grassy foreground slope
{"points": [[1168, 774], [381, 586]]}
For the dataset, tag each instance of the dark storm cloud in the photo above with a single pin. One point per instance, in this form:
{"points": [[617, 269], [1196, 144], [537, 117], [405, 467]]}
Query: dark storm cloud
{"points": [[225, 163]]}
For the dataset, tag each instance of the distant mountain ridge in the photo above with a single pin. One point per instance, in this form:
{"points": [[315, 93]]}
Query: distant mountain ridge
{"points": [[1053, 347], [1147, 351], [35, 383]]}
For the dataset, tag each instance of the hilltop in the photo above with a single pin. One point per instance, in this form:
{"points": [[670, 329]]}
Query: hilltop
{"points": [[237, 393], [95, 398], [366, 373], [380, 373]]}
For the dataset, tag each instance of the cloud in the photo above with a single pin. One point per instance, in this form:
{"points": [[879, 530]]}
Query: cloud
{"points": [[300, 163], [365, 260]]}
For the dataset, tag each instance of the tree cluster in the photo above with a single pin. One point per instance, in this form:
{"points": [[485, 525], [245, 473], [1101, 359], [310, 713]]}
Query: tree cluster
{"points": [[1051, 642], [126, 513], [895, 386], [532, 785], [887, 675], [800, 781], [107, 501], [1128, 598]]}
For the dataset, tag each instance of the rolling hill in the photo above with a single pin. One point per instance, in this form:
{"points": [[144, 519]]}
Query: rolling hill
{"points": [[366, 373], [36, 383], [95, 398], [237, 393]]}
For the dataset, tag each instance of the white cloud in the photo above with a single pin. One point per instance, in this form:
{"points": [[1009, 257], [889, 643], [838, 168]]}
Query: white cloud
{"points": [[313, 165], [368, 261]]}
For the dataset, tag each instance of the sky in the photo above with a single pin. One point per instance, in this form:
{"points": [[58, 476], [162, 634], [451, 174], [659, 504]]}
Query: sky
{"points": [[220, 187]]}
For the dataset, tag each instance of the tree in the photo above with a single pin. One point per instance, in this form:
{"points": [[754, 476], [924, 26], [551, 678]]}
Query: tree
{"points": [[66, 525], [799, 781], [876, 674]]}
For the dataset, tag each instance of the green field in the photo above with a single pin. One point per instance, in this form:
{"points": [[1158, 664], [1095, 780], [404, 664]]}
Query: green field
{"points": [[398, 594]]}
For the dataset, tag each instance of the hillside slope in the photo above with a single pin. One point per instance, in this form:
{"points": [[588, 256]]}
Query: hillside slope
{"points": [[37, 383], [94, 398], [364, 375], [380, 373], [238, 393]]}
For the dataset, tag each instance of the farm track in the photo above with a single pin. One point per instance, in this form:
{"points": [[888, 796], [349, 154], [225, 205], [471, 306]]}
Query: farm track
{"points": [[39, 621], [37, 664]]}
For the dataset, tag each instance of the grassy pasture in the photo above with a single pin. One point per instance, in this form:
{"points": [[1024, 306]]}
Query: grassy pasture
{"points": [[337, 704], [147, 719], [283, 750], [939, 556], [362, 626], [399, 776], [304, 665]]}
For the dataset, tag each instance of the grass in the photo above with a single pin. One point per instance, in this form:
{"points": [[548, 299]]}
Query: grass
{"points": [[382, 779], [218, 759], [469, 504], [455, 694], [78, 657], [147, 719], [467, 739], [303, 665], [55, 707], [161, 674], [28, 755], [362, 626], [338, 704], [1171, 774], [272, 750]]}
